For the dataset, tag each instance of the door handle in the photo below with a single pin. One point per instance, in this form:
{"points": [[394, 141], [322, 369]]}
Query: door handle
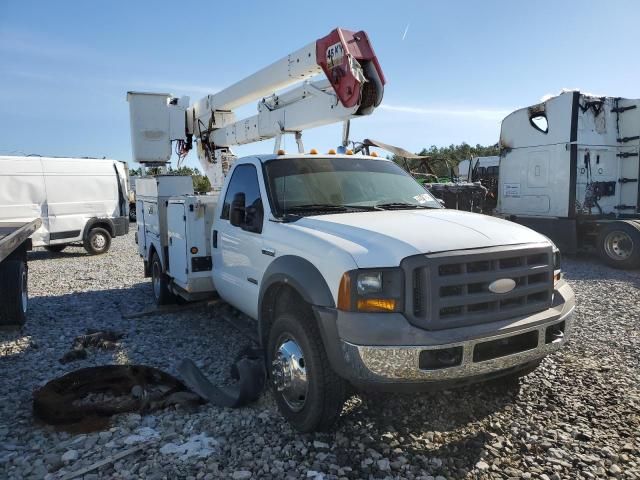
{"points": [[214, 239]]}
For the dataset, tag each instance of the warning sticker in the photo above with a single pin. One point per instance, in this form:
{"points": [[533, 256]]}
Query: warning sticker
{"points": [[334, 55], [422, 198], [511, 190]]}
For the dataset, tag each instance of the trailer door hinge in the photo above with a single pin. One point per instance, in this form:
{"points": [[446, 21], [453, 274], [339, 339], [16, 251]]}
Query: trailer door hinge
{"points": [[184, 218], [623, 109], [627, 154], [627, 180], [628, 139]]}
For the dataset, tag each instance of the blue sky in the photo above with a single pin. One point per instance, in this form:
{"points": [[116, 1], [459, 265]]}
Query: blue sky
{"points": [[460, 68]]}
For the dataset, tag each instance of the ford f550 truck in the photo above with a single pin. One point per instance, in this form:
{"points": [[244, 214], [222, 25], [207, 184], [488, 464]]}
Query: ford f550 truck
{"points": [[354, 274]]}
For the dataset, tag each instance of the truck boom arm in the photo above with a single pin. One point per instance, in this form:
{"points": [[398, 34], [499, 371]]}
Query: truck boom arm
{"points": [[353, 86]]}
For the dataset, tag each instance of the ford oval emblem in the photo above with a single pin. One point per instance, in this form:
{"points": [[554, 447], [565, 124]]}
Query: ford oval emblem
{"points": [[502, 285]]}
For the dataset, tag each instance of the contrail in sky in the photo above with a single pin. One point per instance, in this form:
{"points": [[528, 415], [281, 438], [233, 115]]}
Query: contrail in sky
{"points": [[405, 32]]}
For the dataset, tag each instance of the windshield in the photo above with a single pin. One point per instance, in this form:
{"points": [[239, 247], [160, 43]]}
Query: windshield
{"points": [[330, 185]]}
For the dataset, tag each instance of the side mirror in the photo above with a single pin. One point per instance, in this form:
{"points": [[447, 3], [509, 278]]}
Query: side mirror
{"points": [[237, 212], [254, 215]]}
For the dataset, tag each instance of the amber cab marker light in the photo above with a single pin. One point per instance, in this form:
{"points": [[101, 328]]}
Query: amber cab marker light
{"points": [[374, 154], [344, 293], [313, 151], [349, 152], [281, 152], [331, 152], [376, 305]]}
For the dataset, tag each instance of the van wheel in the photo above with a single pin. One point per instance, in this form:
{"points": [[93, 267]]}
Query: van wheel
{"points": [[97, 241], [307, 391], [619, 245], [55, 248], [160, 283], [13, 292]]}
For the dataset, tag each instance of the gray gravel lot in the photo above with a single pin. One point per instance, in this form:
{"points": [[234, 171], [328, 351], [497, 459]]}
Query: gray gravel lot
{"points": [[577, 416]]}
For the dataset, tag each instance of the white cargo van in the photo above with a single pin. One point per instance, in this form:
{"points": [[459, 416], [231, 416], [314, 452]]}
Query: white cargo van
{"points": [[79, 200]]}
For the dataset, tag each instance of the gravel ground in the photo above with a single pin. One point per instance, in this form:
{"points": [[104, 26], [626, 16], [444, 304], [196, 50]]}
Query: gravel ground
{"points": [[577, 416]]}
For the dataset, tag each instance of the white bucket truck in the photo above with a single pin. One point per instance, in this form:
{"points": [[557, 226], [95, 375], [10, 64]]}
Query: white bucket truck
{"points": [[353, 272]]}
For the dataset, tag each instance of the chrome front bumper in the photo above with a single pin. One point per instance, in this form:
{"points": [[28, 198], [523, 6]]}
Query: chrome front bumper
{"points": [[393, 364]]}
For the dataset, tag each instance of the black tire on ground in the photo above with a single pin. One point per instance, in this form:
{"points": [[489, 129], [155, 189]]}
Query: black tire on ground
{"points": [[55, 248], [619, 245], [13, 292], [132, 213], [97, 241], [160, 283], [325, 394]]}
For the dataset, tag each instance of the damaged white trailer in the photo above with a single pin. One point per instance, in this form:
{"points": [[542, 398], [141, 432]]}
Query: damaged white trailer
{"points": [[569, 169]]}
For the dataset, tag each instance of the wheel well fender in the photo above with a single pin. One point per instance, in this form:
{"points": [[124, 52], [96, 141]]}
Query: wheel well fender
{"points": [[105, 223], [290, 273]]}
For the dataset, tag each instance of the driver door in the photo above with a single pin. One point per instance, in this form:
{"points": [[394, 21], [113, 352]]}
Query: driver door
{"points": [[237, 252]]}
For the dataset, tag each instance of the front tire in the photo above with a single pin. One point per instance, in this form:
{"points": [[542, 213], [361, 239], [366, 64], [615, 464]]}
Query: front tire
{"points": [[98, 241], [307, 391], [160, 283], [619, 245], [13, 292]]}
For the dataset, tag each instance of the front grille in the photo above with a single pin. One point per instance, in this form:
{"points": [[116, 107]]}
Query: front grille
{"points": [[451, 289]]}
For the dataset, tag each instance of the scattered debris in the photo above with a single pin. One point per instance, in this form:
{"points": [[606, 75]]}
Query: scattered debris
{"points": [[101, 463], [196, 446], [83, 400], [142, 434], [102, 339], [248, 370]]}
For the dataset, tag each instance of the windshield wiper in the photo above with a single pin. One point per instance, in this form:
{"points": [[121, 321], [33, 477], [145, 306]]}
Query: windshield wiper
{"points": [[401, 205], [311, 207]]}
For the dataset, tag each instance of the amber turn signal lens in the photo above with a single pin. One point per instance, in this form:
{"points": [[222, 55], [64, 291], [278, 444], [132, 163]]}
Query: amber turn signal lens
{"points": [[376, 305], [344, 293]]}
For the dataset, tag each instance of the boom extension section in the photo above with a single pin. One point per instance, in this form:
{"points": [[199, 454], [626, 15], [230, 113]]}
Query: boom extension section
{"points": [[352, 86]]}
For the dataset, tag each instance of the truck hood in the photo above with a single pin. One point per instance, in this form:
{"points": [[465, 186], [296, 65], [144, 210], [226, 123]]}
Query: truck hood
{"points": [[380, 239]]}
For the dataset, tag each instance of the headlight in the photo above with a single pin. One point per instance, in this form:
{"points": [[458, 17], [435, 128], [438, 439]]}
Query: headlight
{"points": [[369, 283], [371, 290]]}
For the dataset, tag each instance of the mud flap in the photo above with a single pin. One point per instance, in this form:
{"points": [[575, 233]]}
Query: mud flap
{"points": [[249, 371]]}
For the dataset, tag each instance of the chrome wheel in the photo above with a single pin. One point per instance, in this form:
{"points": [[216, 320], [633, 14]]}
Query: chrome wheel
{"points": [[155, 279], [289, 373], [618, 245], [98, 241], [24, 296]]}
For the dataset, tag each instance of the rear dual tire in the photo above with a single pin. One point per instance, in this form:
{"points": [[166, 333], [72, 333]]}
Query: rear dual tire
{"points": [[160, 283]]}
